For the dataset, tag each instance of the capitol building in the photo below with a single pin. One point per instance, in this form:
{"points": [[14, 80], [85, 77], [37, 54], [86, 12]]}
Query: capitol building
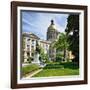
{"points": [[30, 39]]}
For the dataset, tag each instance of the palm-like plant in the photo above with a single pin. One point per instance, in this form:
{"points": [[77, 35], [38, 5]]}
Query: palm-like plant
{"points": [[62, 44]]}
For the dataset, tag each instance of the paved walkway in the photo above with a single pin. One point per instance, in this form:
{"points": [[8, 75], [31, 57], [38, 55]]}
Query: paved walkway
{"points": [[28, 76]]}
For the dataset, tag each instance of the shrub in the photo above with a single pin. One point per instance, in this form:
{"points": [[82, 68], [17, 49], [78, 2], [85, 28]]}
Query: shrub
{"points": [[54, 66]]}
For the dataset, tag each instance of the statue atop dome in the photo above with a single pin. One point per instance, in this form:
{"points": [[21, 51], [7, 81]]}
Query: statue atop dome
{"points": [[52, 22], [52, 26]]}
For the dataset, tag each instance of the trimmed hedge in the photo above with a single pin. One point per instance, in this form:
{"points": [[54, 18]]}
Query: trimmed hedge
{"points": [[53, 66]]}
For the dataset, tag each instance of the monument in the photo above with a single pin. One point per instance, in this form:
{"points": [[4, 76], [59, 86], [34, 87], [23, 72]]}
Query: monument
{"points": [[37, 56]]}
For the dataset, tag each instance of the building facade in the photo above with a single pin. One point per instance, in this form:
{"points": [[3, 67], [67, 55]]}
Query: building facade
{"points": [[29, 45], [52, 35]]}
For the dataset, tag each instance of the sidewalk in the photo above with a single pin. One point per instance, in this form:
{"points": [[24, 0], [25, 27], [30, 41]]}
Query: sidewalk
{"points": [[28, 76]]}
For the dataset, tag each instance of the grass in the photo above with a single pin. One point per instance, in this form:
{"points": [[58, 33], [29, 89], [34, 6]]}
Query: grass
{"points": [[57, 69], [29, 68], [57, 72]]}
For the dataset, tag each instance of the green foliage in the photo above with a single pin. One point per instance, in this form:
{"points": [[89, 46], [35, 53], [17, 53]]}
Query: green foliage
{"points": [[53, 66], [43, 57], [73, 26], [59, 57], [29, 68], [70, 65], [73, 23], [62, 43]]}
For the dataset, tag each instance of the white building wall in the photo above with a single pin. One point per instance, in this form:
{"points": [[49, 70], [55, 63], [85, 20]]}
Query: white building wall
{"points": [[31, 43]]}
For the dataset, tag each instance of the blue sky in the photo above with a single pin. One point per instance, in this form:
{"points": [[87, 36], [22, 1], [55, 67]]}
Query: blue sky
{"points": [[38, 22]]}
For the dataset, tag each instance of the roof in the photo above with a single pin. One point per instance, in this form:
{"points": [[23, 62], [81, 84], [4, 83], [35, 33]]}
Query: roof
{"points": [[30, 35]]}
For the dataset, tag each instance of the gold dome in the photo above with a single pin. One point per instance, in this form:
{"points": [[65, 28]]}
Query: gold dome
{"points": [[52, 26]]}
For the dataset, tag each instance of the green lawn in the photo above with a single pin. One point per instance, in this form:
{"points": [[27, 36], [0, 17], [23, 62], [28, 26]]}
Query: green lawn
{"points": [[57, 69], [29, 68]]}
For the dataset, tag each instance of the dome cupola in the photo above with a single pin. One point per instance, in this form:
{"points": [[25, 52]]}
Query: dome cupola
{"points": [[52, 26]]}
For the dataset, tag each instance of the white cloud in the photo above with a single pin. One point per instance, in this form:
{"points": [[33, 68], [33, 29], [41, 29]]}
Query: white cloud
{"points": [[39, 24]]}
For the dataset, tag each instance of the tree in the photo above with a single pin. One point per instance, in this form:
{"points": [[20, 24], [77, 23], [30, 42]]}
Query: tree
{"points": [[62, 44], [73, 26], [43, 56]]}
